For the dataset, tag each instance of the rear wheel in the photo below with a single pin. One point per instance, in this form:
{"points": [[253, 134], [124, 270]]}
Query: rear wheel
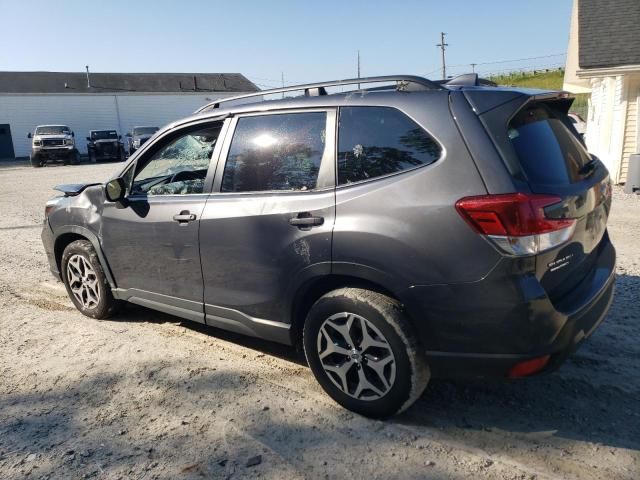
{"points": [[85, 281], [363, 352]]}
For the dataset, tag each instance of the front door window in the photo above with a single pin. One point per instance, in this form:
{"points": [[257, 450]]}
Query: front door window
{"points": [[179, 167]]}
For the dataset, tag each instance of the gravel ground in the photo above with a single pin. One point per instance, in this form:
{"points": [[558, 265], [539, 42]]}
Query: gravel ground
{"points": [[146, 395]]}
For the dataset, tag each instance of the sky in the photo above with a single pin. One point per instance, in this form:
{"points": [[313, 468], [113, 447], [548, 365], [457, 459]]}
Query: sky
{"points": [[304, 41]]}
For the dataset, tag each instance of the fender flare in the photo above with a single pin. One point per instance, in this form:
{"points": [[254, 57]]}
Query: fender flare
{"points": [[95, 241]]}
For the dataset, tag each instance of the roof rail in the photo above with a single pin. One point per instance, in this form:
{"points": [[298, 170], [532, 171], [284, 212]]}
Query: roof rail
{"points": [[403, 83]]}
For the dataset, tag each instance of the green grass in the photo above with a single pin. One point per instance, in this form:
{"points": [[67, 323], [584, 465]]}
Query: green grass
{"points": [[551, 80]]}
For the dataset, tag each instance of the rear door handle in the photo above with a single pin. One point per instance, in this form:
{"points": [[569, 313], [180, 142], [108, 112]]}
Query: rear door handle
{"points": [[184, 217], [304, 221]]}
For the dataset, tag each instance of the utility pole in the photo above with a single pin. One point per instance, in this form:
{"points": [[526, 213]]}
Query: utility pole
{"points": [[442, 46]]}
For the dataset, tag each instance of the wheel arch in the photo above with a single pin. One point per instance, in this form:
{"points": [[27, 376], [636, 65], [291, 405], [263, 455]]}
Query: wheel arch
{"points": [[310, 291], [71, 233]]}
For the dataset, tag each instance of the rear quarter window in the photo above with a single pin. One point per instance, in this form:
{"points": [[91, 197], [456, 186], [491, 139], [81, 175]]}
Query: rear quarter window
{"points": [[549, 153], [377, 141]]}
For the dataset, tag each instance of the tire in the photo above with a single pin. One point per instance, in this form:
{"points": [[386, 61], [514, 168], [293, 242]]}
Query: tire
{"points": [[391, 345], [92, 296], [35, 161], [92, 157], [75, 159]]}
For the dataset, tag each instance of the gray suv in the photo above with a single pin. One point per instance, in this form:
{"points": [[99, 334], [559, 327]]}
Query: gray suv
{"points": [[401, 231]]}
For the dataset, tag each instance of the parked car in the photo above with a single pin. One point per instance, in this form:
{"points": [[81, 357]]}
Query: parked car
{"points": [[138, 136], [104, 145], [579, 124], [407, 231], [53, 143]]}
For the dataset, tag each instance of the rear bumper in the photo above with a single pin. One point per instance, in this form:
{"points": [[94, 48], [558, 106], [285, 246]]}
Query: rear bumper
{"points": [[484, 328], [577, 328]]}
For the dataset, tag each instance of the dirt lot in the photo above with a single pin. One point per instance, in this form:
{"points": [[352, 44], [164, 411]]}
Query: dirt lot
{"points": [[146, 395]]}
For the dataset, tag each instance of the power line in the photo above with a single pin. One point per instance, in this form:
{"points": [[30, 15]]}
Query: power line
{"points": [[499, 61]]}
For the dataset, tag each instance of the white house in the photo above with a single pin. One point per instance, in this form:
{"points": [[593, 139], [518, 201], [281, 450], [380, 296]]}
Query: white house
{"points": [[103, 101], [603, 59]]}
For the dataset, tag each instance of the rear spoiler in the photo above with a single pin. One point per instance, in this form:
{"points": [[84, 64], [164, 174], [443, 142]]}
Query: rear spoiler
{"points": [[467, 80], [482, 99]]}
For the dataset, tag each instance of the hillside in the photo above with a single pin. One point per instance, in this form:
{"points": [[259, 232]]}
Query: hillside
{"points": [[549, 80]]}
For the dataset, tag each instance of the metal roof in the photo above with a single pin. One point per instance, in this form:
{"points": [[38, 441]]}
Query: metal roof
{"points": [[608, 33], [76, 82]]}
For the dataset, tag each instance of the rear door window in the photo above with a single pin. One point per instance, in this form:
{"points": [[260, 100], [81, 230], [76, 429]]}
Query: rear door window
{"points": [[549, 153], [377, 141], [276, 152]]}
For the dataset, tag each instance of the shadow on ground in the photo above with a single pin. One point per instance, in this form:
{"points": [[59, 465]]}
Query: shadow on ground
{"points": [[574, 408]]}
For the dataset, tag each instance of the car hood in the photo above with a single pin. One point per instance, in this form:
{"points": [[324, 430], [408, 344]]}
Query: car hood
{"points": [[73, 189], [142, 137], [105, 140]]}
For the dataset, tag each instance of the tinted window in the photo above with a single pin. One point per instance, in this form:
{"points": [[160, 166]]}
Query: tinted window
{"points": [[180, 166], [548, 152], [375, 141], [275, 152], [145, 130], [104, 135]]}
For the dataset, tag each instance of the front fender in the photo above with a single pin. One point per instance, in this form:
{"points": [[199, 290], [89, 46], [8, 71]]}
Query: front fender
{"points": [[93, 238]]}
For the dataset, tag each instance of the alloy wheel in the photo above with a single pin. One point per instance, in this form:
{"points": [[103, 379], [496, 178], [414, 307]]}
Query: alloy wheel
{"points": [[356, 356], [83, 281]]}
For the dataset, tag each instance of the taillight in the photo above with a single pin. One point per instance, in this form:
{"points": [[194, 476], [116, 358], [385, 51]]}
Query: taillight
{"points": [[516, 222]]}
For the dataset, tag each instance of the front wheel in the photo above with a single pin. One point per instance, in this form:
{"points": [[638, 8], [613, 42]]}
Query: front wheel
{"points": [[85, 281], [364, 353], [35, 161]]}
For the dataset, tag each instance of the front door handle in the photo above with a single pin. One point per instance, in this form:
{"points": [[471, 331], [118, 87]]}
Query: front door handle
{"points": [[304, 221], [184, 217]]}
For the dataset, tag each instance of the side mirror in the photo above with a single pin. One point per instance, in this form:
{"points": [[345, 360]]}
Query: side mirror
{"points": [[88, 139], [73, 134], [119, 137], [129, 134], [29, 136], [115, 190]]}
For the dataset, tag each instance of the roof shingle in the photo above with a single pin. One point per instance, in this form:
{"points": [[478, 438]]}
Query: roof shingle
{"points": [[76, 82], [609, 33]]}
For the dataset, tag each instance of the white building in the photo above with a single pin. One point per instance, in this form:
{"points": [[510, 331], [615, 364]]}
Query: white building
{"points": [[102, 101], [603, 59]]}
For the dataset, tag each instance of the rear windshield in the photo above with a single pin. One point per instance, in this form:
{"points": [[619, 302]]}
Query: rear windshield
{"points": [[548, 151]]}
